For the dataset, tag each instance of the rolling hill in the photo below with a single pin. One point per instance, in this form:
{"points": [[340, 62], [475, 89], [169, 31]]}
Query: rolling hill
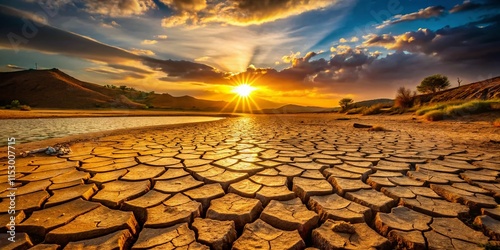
{"points": [[486, 89], [56, 89], [296, 109]]}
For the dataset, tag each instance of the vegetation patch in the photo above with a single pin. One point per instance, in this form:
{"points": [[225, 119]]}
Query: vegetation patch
{"points": [[354, 111], [460, 108], [373, 110], [434, 115]]}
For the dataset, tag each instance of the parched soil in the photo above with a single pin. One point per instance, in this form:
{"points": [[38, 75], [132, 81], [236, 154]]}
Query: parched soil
{"points": [[264, 182]]}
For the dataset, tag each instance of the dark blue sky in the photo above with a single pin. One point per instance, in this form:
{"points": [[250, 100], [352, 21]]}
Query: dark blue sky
{"points": [[293, 51]]}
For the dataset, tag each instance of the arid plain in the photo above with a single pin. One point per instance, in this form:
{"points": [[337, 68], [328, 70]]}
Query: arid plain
{"points": [[265, 182]]}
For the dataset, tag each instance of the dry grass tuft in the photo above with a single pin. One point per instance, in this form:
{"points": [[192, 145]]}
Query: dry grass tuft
{"points": [[434, 115], [496, 123], [373, 110]]}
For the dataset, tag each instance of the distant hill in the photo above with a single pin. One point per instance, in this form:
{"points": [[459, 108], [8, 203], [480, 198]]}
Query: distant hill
{"points": [[56, 89], [295, 109], [486, 89], [368, 103]]}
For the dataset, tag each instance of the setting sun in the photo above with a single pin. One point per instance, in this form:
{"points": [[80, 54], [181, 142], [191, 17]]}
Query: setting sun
{"points": [[243, 90]]}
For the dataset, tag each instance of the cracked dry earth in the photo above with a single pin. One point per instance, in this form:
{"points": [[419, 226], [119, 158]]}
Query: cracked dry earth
{"points": [[259, 182]]}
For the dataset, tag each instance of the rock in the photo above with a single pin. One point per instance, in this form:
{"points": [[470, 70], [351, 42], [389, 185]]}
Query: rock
{"points": [[372, 199], [43, 221], [342, 235], [290, 215], [96, 223], [177, 185], [402, 219], [175, 237], [359, 125], [205, 194], [490, 226], [337, 208], [266, 194], [112, 241], [219, 235], [178, 209], [305, 188], [245, 188], [139, 205], [260, 235], [233, 207], [113, 194]]}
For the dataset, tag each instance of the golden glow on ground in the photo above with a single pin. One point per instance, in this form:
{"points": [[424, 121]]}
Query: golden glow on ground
{"points": [[243, 90]]}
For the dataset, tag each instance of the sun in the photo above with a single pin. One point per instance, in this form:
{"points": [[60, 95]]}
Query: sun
{"points": [[243, 90]]}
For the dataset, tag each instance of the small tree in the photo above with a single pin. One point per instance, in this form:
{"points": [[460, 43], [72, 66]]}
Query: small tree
{"points": [[434, 83], [345, 103], [404, 98]]}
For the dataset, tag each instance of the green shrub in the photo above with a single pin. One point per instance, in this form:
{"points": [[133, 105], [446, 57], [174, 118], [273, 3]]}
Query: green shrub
{"points": [[7, 107], [15, 104], [373, 110], [25, 108], [424, 110], [473, 107], [434, 115]]}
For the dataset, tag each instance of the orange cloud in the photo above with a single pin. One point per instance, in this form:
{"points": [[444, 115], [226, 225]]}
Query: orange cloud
{"points": [[238, 12]]}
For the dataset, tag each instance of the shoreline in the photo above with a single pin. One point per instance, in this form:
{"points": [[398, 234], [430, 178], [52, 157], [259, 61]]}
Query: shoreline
{"points": [[92, 136], [76, 113]]}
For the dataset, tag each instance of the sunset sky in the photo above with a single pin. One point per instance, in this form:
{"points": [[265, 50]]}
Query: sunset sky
{"points": [[292, 51]]}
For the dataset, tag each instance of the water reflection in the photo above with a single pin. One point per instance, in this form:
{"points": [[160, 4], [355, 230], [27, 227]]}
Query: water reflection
{"points": [[28, 130]]}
